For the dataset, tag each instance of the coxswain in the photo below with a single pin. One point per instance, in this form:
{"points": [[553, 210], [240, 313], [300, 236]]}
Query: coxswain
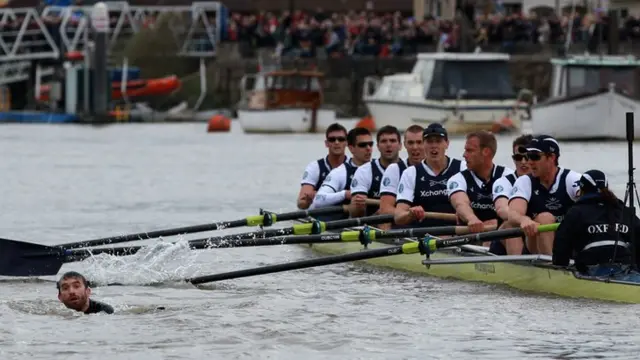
{"points": [[336, 186], [315, 173], [391, 177], [501, 192], [423, 187], [471, 190], [544, 196], [595, 231], [74, 293], [367, 178]]}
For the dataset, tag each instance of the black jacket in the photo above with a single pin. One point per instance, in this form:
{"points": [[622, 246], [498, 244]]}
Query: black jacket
{"points": [[587, 222]]}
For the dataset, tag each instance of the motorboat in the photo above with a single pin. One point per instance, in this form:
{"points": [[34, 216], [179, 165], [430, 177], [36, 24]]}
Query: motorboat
{"points": [[588, 99], [463, 91]]}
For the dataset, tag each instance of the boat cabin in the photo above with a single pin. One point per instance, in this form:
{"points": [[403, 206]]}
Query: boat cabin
{"points": [[469, 76], [284, 89], [583, 75]]}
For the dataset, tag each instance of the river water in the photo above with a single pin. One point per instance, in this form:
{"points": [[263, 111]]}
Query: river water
{"points": [[69, 183]]}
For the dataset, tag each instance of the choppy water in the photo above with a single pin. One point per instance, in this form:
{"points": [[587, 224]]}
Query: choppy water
{"points": [[67, 183]]}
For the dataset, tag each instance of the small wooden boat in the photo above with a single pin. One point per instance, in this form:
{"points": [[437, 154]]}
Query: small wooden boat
{"points": [[284, 101]]}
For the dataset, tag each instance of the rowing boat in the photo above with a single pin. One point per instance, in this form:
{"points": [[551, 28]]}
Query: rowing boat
{"points": [[530, 273]]}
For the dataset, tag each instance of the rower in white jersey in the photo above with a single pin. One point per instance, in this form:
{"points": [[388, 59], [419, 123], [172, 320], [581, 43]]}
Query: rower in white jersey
{"points": [[423, 187], [391, 177], [544, 196], [336, 186], [501, 192], [317, 170], [470, 191], [366, 180]]}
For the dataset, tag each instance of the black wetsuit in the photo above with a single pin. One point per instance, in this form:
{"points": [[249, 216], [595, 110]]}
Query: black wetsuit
{"points": [[97, 306]]}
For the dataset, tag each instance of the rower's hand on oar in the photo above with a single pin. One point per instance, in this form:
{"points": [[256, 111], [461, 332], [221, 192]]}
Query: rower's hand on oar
{"points": [[359, 200], [529, 227], [475, 225], [417, 213]]}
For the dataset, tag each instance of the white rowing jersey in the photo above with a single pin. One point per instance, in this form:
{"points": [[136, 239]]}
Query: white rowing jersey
{"points": [[316, 171], [557, 200], [334, 188], [502, 187], [391, 177], [366, 181]]}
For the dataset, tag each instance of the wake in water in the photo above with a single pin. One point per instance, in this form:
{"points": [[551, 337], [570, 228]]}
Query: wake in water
{"points": [[154, 264]]}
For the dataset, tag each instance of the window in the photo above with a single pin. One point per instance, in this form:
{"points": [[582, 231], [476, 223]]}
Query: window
{"points": [[488, 80], [586, 79]]}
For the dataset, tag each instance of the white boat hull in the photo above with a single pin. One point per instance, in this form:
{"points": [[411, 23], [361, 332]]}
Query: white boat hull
{"points": [[600, 116], [284, 120], [470, 117]]}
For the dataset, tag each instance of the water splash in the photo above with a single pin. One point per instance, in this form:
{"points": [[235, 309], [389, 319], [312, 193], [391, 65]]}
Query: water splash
{"points": [[154, 264]]}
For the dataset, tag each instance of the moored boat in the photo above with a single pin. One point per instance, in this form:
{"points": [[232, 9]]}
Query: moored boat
{"points": [[464, 91]]}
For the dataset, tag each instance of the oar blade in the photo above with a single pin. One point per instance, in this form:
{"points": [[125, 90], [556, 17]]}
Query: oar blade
{"points": [[14, 262]]}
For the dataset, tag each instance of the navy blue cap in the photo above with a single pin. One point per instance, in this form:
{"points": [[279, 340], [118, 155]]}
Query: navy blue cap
{"points": [[545, 144], [595, 179], [435, 129]]}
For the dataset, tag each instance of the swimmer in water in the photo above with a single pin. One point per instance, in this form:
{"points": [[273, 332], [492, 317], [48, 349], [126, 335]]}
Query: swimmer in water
{"points": [[74, 292]]}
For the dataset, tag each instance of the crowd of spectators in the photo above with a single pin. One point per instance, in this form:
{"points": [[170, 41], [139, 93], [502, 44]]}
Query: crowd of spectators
{"points": [[305, 34]]}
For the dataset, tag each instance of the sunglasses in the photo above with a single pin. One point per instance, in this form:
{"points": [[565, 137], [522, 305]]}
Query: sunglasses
{"points": [[534, 156], [519, 157], [365, 144], [336, 138]]}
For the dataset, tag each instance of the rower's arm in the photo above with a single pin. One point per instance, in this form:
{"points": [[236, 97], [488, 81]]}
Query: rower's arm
{"points": [[308, 185], [360, 185], [306, 195], [332, 190], [568, 231], [461, 203], [388, 190], [501, 191], [404, 197], [457, 189], [519, 200]]}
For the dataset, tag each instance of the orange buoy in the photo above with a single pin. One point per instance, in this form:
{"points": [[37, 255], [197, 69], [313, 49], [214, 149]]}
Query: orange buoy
{"points": [[74, 55], [219, 123], [368, 123]]}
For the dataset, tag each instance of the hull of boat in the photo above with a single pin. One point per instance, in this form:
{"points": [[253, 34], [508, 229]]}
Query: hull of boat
{"points": [[472, 117], [279, 121], [532, 278], [594, 117]]}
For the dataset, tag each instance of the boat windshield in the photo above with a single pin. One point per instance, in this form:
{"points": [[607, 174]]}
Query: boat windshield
{"points": [[472, 79], [588, 79]]}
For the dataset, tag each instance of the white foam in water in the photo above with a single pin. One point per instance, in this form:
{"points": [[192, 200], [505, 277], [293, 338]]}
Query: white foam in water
{"points": [[154, 263]]}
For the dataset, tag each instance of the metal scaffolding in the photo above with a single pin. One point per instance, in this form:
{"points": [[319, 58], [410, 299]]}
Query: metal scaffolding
{"points": [[24, 36]]}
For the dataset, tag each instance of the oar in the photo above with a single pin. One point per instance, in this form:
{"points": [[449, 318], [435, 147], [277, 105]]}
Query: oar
{"points": [[266, 219], [363, 236], [427, 245], [18, 258]]}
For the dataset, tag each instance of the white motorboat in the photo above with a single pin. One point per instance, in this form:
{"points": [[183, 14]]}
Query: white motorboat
{"points": [[463, 91], [589, 97], [284, 101]]}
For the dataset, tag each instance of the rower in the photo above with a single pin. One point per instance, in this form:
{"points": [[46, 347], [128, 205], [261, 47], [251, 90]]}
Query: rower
{"points": [[317, 171], [501, 192], [336, 186], [544, 196], [595, 230], [423, 187], [391, 177], [470, 190], [74, 292], [367, 178]]}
